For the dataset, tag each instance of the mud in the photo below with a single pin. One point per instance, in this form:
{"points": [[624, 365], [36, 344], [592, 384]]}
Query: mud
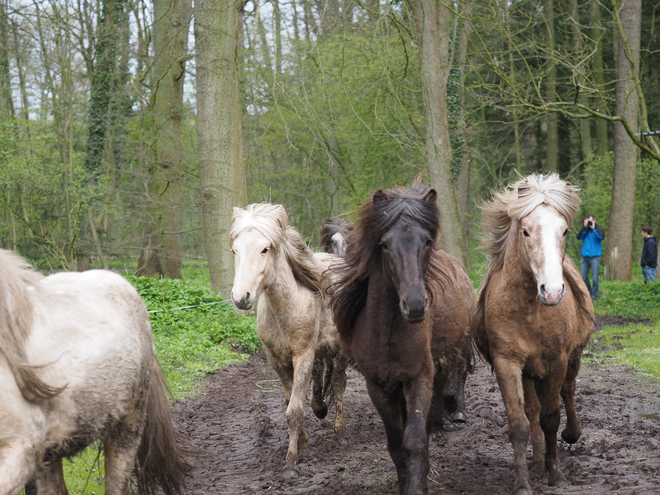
{"points": [[240, 423]]}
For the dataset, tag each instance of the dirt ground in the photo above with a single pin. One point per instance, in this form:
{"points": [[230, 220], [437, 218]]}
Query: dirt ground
{"points": [[240, 422]]}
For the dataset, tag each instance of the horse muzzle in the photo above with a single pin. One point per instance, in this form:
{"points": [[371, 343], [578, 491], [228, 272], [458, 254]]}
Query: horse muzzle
{"points": [[246, 301], [414, 312], [551, 296]]}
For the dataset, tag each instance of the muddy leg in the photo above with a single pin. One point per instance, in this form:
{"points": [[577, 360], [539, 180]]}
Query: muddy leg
{"points": [[573, 430], [532, 411], [388, 406], [548, 391], [295, 415], [50, 480], [461, 376], [339, 387], [509, 378], [284, 372], [120, 455], [319, 373], [418, 395]]}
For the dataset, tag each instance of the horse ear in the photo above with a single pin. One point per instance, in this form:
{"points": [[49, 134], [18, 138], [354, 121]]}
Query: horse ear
{"points": [[379, 196], [431, 196]]}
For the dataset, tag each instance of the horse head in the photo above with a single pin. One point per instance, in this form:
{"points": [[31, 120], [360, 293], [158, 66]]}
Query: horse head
{"points": [[255, 234], [333, 235], [405, 249]]}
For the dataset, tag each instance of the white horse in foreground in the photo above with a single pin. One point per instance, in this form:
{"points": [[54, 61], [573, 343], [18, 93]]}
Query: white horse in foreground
{"points": [[294, 322], [77, 364]]}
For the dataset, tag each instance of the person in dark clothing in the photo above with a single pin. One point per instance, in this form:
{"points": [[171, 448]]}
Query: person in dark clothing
{"points": [[649, 254], [592, 236]]}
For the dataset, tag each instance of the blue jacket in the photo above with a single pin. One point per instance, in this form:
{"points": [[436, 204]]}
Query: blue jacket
{"points": [[592, 244]]}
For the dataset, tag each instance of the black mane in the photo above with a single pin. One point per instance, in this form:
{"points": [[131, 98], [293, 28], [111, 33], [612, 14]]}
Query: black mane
{"points": [[376, 217]]}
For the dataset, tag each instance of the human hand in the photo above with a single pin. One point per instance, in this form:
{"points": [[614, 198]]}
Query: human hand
{"points": [[585, 222]]}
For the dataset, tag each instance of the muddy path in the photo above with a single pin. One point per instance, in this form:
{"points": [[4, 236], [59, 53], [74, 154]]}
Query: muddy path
{"points": [[240, 422]]}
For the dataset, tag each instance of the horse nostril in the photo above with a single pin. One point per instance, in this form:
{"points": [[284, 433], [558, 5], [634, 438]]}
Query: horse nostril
{"points": [[542, 288], [247, 297]]}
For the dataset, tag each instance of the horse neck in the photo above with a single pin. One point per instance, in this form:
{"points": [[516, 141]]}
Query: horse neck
{"points": [[382, 304], [281, 285]]}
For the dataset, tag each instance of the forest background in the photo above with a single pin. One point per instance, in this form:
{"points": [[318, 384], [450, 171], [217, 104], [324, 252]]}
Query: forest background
{"points": [[129, 128]]}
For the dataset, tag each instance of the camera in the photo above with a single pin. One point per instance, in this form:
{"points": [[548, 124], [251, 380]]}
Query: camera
{"points": [[590, 224]]}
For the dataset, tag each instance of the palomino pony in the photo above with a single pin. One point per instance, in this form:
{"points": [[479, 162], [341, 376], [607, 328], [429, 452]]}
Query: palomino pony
{"points": [[293, 320], [333, 235], [77, 364], [402, 311], [533, 317]]}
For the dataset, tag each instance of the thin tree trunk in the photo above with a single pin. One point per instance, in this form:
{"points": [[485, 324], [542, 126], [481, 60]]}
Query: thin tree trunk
{"points": [[463, 181], [435, 72], [552, 140], [619, 243], [6, 101], [578, 45], [597, 33], [514, 112], [222, 171]]}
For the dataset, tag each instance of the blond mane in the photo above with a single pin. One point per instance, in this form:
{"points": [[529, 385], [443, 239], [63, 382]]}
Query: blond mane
{"points": [[16, 319], [272, 222]]}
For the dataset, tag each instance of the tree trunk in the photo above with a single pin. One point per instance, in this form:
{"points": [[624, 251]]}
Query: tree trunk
{"points": [[463, 181], [552, 140], [222, 172], [435, 72], [578, 46], [6, 101], [170, 35], [619, 243], [597, 32]]}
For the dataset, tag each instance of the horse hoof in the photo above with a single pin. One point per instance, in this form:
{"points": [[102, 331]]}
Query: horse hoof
{"points": [[569, 437], [557, 479], [341, 440], [523, 491], [291, 473], [320, 411], [536, 468], [458, 417]]}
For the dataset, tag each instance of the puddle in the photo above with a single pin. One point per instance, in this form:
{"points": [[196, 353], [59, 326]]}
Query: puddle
{"points": [[654, 417]]}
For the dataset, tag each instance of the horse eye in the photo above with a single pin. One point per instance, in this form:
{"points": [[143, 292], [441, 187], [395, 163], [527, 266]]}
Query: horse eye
{"points": [[264, 251], [565, 232], [383, 246], [429, 242], [525, 233]]}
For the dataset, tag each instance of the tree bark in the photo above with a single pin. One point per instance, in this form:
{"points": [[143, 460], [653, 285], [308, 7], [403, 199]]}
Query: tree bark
{"points": [[597, 32], [552, 139], [222, 172], [435, 72], [619, 244], [463, 181], [578, 45], [6, 101]]}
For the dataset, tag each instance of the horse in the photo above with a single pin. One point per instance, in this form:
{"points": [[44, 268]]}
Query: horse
{"points": [[274, 264], [333, 235], [78, 364], [533, 317], [402, 310]]}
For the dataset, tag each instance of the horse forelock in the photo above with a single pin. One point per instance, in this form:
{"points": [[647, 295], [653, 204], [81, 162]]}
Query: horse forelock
{"points": [[376, 217], [332, 226], [268, 219]]}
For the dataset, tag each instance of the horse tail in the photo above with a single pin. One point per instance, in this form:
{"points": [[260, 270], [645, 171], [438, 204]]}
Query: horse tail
{"points": [[478, 322], [160, 460]]}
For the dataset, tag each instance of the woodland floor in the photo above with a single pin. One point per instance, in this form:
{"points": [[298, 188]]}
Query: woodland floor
{"points": [[239, 422]]}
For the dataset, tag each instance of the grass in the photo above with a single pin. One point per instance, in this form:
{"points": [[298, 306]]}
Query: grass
{"points": [[189, 343]]}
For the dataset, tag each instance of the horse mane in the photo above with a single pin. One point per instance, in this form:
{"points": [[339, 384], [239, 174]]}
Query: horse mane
{"points": [[513, 203], [16, 320], [375, 217], [272, 221], [331, 227]]}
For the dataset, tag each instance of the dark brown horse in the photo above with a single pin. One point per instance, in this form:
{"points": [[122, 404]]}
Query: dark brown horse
{"points": [[333, 235], [401, 307], [533, 317]]}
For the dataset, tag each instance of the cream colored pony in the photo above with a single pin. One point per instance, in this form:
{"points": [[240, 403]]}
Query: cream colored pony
{"points": [[77, 364], [274, 264]]}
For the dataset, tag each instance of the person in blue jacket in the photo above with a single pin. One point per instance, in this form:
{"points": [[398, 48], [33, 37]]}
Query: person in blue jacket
{"points": [[649, 260], [592, 236]]}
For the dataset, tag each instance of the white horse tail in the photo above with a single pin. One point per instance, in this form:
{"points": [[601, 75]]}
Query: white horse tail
{"points": [[161, 462]]}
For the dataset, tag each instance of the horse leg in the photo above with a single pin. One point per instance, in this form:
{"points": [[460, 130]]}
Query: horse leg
{"points": [[31, 488], [548, 391], [509, 378], [418, 394], [461, 376], [50, 480], [319, 372], [338, 388], [573, 430], [284, 372], [295, 415], [532, 411], [120, 452], [389, 409], [15, 463]]}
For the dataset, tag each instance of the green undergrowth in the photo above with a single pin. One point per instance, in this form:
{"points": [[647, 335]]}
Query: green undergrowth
{"points": [[629, 299]]}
